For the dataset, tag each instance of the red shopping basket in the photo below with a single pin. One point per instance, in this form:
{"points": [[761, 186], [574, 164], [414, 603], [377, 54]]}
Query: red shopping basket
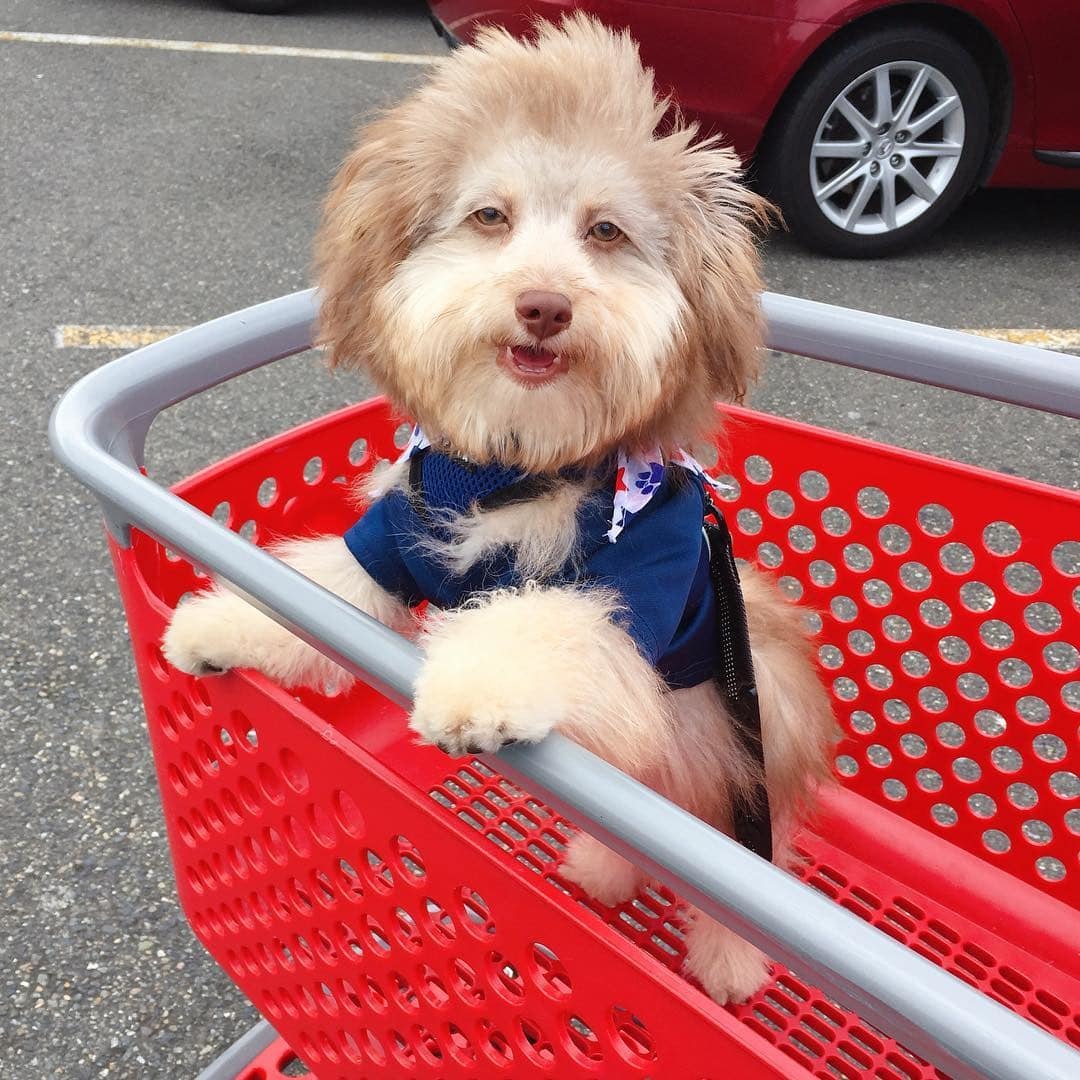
{"points": [[394, 912]]}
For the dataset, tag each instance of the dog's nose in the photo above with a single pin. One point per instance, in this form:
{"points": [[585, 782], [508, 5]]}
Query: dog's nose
{"points": [[544, 313]]}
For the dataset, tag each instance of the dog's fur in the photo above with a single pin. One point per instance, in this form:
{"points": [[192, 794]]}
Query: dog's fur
{"points": [[558, 133]]}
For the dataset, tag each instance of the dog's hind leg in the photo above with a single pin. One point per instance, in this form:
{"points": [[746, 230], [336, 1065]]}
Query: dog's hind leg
{"points": [[604, 874], [729, 968]]}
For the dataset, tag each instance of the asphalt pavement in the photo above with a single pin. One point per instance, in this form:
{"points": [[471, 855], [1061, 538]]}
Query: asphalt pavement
{"points": [[150, 187]]}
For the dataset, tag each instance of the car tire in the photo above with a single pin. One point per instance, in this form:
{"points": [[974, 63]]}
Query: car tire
{"points": [[260, 7], [903, 179]]}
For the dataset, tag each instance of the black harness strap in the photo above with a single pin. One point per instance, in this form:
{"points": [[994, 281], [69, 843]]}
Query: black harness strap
{"points": [[751, 819]]}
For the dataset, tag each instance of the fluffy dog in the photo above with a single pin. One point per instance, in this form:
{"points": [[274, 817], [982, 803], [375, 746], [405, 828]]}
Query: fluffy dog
{"points": [[555, 281]]}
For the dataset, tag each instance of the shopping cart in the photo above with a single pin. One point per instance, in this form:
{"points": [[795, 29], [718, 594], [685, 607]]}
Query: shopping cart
{"points": [[394, 912]]}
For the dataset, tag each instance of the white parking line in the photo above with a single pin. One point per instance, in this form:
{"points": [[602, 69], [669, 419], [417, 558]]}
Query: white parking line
{"points": [[110, 336], [219, 47]]}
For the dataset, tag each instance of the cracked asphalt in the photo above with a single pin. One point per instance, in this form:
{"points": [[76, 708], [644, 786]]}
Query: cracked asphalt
{"points": [[148, 187]]}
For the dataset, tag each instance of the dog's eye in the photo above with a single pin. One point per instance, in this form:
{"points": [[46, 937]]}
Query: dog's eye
{"points": [[605, 232], [490, 216]]}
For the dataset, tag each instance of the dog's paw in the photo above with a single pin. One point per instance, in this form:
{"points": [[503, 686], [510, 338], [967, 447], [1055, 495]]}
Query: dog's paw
{"points": [[471, 703], [198, 639]]}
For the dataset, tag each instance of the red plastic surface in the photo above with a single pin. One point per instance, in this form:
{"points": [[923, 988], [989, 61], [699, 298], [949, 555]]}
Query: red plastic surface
{"points": [[395, 913]]}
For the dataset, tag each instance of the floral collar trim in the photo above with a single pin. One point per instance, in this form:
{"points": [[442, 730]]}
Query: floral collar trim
{"points": [[638, 477]]}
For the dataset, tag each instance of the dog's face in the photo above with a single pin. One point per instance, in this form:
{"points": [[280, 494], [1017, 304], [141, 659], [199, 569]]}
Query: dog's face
{"points": [[531, 272]]}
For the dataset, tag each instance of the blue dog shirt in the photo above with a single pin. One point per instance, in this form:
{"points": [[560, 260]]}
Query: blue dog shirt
{"points": [[659, 567]]}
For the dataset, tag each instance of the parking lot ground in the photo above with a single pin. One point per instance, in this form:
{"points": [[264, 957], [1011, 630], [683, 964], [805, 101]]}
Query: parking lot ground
{"points": [[148, 188]]}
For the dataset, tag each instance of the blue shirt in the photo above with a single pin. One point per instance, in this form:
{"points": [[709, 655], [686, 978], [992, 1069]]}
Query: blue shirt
{"points": [[659, 566]]}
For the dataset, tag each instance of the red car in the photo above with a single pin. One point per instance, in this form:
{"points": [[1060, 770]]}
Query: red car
{"points": [[868, 121]]}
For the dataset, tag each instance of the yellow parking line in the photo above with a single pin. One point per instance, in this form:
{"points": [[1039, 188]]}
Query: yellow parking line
{"points": [[219, 47], [110, 337], [1045, 339]]}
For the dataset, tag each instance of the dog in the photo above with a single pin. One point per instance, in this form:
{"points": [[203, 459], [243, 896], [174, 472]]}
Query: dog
{"points": [[557, 280]]}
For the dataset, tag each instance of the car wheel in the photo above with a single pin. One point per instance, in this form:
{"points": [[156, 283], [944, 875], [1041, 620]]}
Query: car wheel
{"points": [[261, 7], [879, 142]]}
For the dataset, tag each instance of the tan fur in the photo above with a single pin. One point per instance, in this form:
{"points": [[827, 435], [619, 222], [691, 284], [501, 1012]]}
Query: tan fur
{"points": [[558, 133]]}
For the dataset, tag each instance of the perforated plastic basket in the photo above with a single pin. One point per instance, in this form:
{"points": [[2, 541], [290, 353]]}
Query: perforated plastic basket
{"points": [[394, 912]]}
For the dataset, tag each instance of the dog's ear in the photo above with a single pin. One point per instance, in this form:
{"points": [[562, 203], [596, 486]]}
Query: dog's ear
{"points": [[376, 209], [717, 264]]}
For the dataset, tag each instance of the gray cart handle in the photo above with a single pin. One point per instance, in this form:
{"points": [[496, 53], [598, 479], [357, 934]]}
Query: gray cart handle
{"points": [[98, 432]]}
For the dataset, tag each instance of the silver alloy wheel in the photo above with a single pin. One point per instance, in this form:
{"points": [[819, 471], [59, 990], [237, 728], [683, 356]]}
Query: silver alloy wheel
{"points": [[887, 147]]}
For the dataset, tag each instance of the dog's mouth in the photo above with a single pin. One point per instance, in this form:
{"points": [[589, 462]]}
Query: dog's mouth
{"points": [[531, 365]]}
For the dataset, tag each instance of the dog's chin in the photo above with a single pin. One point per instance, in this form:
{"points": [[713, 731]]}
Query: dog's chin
{"points": [[532, 366]]}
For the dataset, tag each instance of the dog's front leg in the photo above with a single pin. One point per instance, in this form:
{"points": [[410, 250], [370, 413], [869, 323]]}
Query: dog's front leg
{"points": [[514, 666], [217, 630]]}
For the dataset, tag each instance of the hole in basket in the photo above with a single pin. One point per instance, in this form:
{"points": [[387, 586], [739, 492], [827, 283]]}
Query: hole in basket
{"points": [[982, 805], [268, 492], [813, 485], [933, 699], [402, 434], [547, 972], [996, 841], [996, 634], [1006, 759], [1022, 578], [631, 1036], [1015, 672], [504, 978], [1066, 558], [406, 857], [894, 539], [928, 779], [1001, 538], [769, 555], [406, 930], [758, 469], [872, 502], [846, 765], [1032, 709], [915, 576], [473, 911], [990, 723], [822, 573], [1050, 748], [581, 1041], [347, 813], [862, 723], [780, 504], [534, 1044], [957, 558], [1049, 868], [935, 613], [977, 596], [466, 982], [313, 470], [896, 628], [858, 557], [1042, 618], [935, 520], [358, 451], [1037, 832], [1065, 784], [495, 1044], [1061, 656], [878, 593], [748, 521], [222, 513], [792, 589], [835, 521], [437, 922], [914, 746]]}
